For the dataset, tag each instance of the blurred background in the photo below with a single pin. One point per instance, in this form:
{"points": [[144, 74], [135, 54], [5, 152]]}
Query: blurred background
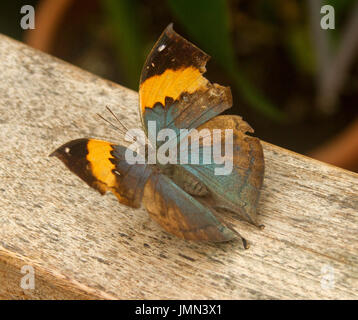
{"points": [[293, 82]]}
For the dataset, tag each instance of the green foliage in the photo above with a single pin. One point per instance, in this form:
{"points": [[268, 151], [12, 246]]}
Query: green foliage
{"points": [[207, 23], [342, 9], [299, 45], [121, 16]]}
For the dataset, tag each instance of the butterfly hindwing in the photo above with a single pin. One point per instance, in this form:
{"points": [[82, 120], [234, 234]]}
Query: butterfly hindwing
{"points": [[181, 214], [238, 191]]}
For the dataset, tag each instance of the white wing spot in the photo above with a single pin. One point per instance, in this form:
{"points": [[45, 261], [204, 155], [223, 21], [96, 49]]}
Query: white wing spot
{"points": [[153, 65], [161, 48], [117, 172], [67, 150]]}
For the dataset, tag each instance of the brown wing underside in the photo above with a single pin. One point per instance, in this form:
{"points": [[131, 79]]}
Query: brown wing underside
{"points": [[181, 214], [239, 191]]}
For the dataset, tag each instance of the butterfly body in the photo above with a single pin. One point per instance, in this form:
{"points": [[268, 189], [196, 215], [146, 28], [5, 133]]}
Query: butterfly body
{"points": [[188, 182], [183, 196]]}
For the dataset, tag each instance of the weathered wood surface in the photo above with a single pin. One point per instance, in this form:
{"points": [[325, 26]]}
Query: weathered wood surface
{"points": [[83, 245]]}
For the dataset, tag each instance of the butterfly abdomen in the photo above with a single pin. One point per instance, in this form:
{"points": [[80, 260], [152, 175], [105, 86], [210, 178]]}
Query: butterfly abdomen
{"points": [[195, 188], [188, 182]]}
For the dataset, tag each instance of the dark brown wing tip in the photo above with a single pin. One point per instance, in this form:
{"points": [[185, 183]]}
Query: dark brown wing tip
{"points": [[53, 154], [79, 146], [169, 30], [172, 34], [58, 153], [245, 243], [172, 51]]}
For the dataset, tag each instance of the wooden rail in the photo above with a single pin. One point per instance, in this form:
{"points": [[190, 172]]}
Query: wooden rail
{"points": [[82, 245]]}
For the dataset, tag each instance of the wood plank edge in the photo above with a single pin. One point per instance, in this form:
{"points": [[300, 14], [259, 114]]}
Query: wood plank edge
{"points": [[48, 284], [293, 154]]}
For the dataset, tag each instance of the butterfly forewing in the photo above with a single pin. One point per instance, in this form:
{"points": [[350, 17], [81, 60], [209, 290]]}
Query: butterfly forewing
{"points": [[173, 91]]}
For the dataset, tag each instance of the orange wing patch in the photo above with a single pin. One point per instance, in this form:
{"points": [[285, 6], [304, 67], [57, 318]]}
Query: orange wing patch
{"points": [[171, 83], [99, 155], [90, 159]]}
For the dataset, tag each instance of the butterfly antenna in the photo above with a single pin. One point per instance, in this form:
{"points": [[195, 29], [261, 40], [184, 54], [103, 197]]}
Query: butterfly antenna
{"points": [[110, 123], [115, 117], [121, 123]]}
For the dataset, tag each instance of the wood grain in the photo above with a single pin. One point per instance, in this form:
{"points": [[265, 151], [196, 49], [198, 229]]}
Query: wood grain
{"points": [[86, 246]]}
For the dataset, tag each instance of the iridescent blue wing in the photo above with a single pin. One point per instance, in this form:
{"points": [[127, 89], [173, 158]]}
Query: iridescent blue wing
{"points": [[238, 191], [181, 214]]}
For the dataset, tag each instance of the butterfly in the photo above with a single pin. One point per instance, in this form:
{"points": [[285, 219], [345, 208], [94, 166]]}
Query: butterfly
{"points": [[184, 198]]}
